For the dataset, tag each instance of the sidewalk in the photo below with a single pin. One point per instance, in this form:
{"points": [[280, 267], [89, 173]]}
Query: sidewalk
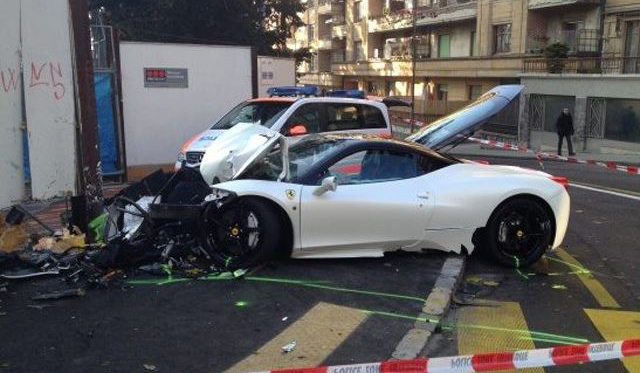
{"points": [[477, 150]]}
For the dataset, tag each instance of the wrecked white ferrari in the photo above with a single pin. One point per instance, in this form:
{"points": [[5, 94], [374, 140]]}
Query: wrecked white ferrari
{"points": [[338, 196]]}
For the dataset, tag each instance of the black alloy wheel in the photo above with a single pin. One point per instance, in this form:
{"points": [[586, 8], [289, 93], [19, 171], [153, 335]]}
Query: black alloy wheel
{"points": [[241, 234], [519, 232]]}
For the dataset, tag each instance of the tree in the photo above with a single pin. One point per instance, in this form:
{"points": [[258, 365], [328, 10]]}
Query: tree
{"points": [[262, 24]]}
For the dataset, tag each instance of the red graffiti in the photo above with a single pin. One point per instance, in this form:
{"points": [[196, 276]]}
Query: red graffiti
{"points": [[59, 89], [35, 75], [39, 78], [10, 80]]}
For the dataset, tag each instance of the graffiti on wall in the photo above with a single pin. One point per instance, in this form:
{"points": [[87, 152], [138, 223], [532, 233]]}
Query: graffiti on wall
{"points": [[9, 79], [47, 75]]}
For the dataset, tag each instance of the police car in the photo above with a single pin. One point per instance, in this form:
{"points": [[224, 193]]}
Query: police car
{"points": [[295, 112]]}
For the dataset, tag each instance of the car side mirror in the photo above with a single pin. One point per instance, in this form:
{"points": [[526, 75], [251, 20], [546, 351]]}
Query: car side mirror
{"points": [[328, 184], [298, 130]]}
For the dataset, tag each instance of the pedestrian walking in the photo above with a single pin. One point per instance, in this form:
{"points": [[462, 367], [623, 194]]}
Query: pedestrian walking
{"points": [[564, 127]]}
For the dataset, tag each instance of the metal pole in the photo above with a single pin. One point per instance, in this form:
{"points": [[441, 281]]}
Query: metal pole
{"points": [[90, 175], [413, 67]]}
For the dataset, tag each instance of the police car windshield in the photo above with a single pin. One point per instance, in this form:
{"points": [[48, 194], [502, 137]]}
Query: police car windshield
{"points": [[263, 113]]}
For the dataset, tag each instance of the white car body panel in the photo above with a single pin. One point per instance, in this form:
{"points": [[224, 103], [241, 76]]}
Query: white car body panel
{"points": [[371, 216], [366, 221]]}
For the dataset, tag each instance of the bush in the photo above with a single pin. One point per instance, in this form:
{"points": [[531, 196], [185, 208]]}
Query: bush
{"points": [[556, 53]]}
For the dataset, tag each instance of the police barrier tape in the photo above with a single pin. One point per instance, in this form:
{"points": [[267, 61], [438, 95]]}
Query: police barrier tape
{"points": [[633, 170], [493, 362]]}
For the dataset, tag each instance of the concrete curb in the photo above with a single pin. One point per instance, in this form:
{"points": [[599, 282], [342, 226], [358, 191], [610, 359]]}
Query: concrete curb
{"points": [[434, 309]]}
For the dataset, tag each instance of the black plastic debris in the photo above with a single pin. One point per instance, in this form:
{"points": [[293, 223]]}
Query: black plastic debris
{"points": [[59, 294]]}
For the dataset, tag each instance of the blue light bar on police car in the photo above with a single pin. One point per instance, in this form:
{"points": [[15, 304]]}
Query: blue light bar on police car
{"points": [[346, 93], [311, 90]]}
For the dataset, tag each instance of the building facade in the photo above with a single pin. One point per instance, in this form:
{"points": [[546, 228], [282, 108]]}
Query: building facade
{"points": [[465, 47]]}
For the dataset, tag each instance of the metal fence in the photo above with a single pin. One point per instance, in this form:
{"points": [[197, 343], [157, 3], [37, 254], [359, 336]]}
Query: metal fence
{"points": [[583, 65]]}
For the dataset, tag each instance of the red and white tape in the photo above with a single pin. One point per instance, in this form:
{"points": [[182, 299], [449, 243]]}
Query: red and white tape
{"points": [[633, 170], [494, 362]]}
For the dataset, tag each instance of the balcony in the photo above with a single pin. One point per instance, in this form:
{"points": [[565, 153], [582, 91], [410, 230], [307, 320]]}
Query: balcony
{"points": [[338, 56], [583, 65], [324, 7], [581, 42], [480, 67], [442, 11], [339, 31], [324, 79], [324, 42], [539, 4]]}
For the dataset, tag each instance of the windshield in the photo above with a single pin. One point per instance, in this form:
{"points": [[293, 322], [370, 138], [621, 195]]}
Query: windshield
{"points": [[263, 113], [302, 156]]}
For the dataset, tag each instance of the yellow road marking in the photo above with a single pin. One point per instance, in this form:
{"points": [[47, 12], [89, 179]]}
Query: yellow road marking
{"points": [[617, 326], [504, 315], [594, 286], [317, 334]]}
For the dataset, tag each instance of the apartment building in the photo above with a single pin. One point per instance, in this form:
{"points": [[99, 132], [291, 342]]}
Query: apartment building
{"points": [[465, 47]]}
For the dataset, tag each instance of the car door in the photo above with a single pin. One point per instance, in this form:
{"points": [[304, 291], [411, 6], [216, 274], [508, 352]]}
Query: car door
{"points": [[381, 203]]}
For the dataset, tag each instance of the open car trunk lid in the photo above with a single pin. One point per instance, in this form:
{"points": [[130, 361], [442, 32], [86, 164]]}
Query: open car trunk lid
{"points": [[464, 122], [235, 150]]}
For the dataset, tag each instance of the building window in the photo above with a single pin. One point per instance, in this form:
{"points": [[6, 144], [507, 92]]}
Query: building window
{"points": [[358, 11], [632, 47], [423, 47], [358, 52], [444, 46], [472, 44], [313, 63], [310, 32], [442, 92], [502, 38], [475, 91], [622, 120]]}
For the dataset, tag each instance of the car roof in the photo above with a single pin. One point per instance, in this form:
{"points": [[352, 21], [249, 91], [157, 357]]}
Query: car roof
{"points": [[274, 99], [365, 140]]}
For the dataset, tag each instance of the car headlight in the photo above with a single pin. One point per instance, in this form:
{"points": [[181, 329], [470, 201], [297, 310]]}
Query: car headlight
{"points": [[182, 157]]}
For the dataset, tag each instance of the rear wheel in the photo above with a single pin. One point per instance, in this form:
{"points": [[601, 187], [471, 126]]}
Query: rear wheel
{"points": [[242, 234], [519, 232]]}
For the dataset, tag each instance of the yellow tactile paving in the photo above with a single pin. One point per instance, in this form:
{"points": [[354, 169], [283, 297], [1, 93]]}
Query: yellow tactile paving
{"points": [[320, 331], [617, 326], [476, 333], [594, 286]]}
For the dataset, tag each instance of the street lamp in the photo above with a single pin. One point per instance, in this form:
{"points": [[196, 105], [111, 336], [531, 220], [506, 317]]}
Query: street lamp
{"points": [[413, 66]]}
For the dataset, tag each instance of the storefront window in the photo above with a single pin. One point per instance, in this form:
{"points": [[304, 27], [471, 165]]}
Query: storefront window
{"points": [[622, 121]]}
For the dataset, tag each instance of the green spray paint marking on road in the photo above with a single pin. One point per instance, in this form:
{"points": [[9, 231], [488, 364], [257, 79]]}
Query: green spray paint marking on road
{"points": [[549, 340], [305, 283], [534, 334], [241, 303], [579, 269]]}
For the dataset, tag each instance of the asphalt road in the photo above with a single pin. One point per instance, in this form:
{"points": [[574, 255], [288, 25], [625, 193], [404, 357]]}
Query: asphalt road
{"points": [[337, 311], [349, 311], [590, 291]]}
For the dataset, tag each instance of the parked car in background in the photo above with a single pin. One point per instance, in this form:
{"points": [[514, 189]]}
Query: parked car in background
{"points": [[295, 116]]}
